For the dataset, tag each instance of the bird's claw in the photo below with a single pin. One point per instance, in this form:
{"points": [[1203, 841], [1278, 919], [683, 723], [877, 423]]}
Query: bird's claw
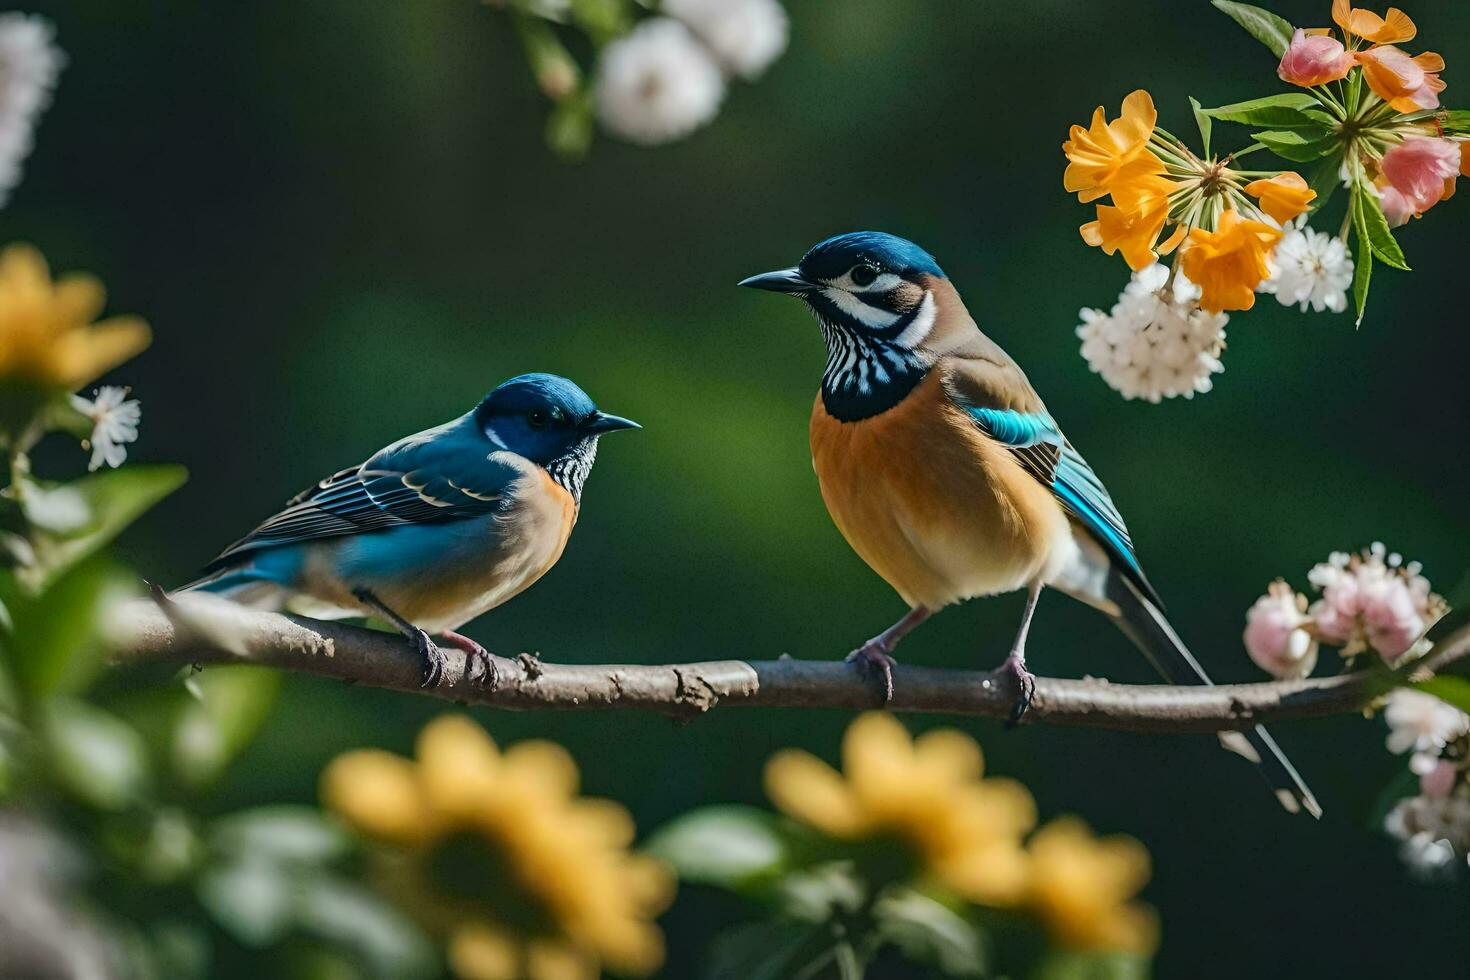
{"points": [[1014, 668], [874, 656], [475, 654], [432, 657]]}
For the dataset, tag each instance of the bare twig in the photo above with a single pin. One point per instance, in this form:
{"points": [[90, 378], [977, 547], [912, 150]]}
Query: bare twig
{"points": [[206, 630]]}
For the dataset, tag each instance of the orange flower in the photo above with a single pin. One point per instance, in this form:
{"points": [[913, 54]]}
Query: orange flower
{"points": [[1133, 226], [1109, 153], [1408, 84], [1465, 158], [1284, 196], [1369, 26], [1229, 262]]}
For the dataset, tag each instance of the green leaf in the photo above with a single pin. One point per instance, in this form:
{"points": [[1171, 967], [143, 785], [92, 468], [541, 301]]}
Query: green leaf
{"points": [[1202, 120], [1325, 180], [1298, 146], [1363, 261], [1449, 689], [252, 899], [285, 833], [928, 932], [114, 498], [54, 647], [1380, 238], [1262, 25], [216, 727], [95, 756], [1455, 122], [849, 967], [729, 846], [1290, 110], [346, 914], [772, 950], [569, 126], [1066, 964]]}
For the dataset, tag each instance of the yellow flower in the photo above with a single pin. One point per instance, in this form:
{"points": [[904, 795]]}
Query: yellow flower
{"points": [[1229, 262], [1106, 154], [47, 337], [1394, 28], [1284, 196], [1134, 225], [926, 793], [1081, 886], [496, 852]]}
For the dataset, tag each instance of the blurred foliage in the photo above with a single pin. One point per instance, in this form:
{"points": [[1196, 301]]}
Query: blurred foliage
{"points": [[343, 226]]}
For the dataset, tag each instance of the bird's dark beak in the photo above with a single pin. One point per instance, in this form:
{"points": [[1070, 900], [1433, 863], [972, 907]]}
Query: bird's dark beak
{"points": [[781, 281], [599, 422]]}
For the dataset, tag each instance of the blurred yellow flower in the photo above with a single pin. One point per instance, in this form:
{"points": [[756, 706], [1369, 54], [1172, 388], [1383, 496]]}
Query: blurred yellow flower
{"points": [[927, 793], [1229, 262], [1081, 887], [47, 335], [1108, 154], [1284, 196], [523, 878]]}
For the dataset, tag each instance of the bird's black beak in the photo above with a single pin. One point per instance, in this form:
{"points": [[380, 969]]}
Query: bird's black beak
{"points": [[599, 422], [781, 281]]}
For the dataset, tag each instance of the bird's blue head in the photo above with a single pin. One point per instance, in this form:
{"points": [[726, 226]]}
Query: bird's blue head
{"points": [[550, 421], [872, 294]]}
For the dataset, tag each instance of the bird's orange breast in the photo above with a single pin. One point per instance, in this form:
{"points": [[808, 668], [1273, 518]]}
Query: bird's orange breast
{"points": [[935, 507]]}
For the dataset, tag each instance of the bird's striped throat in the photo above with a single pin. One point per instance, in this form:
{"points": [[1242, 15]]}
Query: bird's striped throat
{"points": [[874, 355]]}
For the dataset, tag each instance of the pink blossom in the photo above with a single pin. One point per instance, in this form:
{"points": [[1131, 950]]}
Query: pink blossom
{"points": [[1372, 600], [1314, 59], [1274, 636], [1418, 174], [1440, 779]]}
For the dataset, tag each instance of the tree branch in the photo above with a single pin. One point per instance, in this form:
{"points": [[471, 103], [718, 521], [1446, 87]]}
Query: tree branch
{"points": [[206, 630]]}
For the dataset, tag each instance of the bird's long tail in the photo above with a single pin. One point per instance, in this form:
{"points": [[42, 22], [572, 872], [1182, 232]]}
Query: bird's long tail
{"points": [[1146, 626]]}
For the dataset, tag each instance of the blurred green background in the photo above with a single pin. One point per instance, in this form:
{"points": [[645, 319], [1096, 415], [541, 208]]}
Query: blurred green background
{"points": [[343, 225]]}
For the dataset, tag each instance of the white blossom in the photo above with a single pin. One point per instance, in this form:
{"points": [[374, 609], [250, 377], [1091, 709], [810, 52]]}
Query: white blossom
{"points": [[1310, 268], [1435, 831], [657, 83], [1373, 599], [745, 35], [29, 64], [115, 419], [1155, 343], [1423, 724], [1275, 634]]}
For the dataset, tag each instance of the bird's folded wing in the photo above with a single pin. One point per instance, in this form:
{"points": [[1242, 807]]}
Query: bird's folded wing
{"points": [[434, 476], [1038, 443]]}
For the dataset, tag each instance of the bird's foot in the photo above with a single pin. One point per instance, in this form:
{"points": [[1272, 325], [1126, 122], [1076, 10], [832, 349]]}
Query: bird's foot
{"points": [[474, 654], [874, 656], [1013, 668], [432, 657]]}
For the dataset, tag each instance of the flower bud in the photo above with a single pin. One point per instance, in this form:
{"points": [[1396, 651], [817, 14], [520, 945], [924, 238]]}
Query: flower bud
{"points": [[1274, 634], [1314, 59]]}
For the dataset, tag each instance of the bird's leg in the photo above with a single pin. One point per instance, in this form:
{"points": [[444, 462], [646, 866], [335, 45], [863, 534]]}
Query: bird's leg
{"points": [[1015, 661], [876, 653], [474, 653], [431, 655]]}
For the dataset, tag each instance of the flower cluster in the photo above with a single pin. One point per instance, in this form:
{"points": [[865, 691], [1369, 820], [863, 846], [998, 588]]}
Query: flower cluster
{"points": [[29, 65], [1156, 342], [496, 852], [1434, 824], [657, 79], [1368, 116], [1372, 600], [967, 833]]}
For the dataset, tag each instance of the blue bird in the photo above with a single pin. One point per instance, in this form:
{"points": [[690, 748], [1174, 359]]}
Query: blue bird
{"points": [[436, 528], [944, 470]]}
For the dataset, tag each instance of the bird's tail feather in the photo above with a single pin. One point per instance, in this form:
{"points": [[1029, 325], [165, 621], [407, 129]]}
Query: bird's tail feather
{"points": [[1150, 631], [241, 585]]}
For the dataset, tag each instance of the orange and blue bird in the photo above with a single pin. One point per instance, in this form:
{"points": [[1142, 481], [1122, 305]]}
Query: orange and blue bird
{"points": [[434, 529], [944, 470]]}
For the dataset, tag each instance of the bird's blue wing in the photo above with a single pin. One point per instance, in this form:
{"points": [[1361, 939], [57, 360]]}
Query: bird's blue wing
{"points": [[441, 474], [1046, 454]]}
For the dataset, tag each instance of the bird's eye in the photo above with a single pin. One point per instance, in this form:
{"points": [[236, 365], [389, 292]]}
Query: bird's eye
{"points": [[863, 275], [537, 419]]}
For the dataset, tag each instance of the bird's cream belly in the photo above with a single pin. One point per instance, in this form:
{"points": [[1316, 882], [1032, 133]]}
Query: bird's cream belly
{"points": [[474, 566], [935, 508]]}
